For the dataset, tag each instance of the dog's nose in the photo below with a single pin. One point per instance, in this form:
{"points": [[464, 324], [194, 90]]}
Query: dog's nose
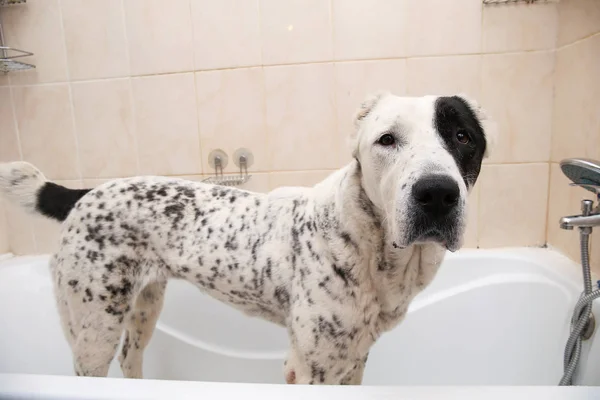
{"points": [[437, 195]]}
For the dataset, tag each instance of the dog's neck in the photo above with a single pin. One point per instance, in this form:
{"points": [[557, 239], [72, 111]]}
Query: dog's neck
{"points": [[361, 243]]}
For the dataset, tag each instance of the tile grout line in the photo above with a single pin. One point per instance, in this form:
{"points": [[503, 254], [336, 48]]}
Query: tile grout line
{"points": [[78, 165], [577, 41], [70, 90], [264, 172], [196, 106], [479, 100], [336, 122], [295, 64], [20, 149], [552, 139], [130, 86]]}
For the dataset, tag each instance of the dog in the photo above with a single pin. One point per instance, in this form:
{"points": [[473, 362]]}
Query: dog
{"points": [[336, 264]]}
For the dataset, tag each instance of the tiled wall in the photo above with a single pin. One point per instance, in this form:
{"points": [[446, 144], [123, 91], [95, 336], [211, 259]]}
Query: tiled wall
{"points": [[576, 122], [126, 87]]}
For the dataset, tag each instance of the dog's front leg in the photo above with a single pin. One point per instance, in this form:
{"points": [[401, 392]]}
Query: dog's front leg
{"points": [[355, 376], [325, 350]]}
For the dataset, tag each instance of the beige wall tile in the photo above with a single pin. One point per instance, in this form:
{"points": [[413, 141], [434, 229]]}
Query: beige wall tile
{"points": [[295, 31], [92, 183], [9, 141], [194, 178], [231, 114], [166, 124], [470, 237], [104, 123], [95, 38], [577, 19], [576, 120], [4, 81], [160, 36], [4, 243], [444, 76], [369, 29], [354, 81], [564, 200], [518, 27], [301, 118], [46, 230], [36, 27], [512, 205], [439, 27], [45, 123], [517, 93], [297, 178], [20, 227], [226, 33]]}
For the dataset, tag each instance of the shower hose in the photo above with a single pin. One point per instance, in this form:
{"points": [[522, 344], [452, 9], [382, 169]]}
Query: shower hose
{"points": [[581, 314]]}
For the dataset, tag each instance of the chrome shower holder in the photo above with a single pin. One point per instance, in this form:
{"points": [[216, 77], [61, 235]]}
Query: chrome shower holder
{"points": [[586, 174]]}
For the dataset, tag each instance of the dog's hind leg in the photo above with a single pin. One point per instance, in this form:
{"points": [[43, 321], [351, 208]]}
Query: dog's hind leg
{"points": [[98, 337], [62, 305], [98, 311], [139, 328], [92, 323]]}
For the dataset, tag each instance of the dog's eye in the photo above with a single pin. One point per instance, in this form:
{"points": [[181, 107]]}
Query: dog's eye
{"points": [[387, 140], [463, 137]]}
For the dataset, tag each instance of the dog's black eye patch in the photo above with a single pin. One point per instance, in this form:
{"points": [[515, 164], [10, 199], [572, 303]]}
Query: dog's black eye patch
{"points": [[462, 134]]}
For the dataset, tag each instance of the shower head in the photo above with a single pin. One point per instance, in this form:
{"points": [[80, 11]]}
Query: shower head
{"points": [[583, 172]]}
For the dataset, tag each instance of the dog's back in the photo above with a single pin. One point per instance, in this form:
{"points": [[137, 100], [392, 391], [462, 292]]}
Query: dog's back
{"points": [[123, 240]]}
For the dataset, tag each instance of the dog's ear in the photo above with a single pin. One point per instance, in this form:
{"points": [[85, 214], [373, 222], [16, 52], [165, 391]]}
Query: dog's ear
{"points": [[489, 126], [367, 106]]}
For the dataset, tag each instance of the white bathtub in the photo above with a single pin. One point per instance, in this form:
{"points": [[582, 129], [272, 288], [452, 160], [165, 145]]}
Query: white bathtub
{"points": [[490, 317]]}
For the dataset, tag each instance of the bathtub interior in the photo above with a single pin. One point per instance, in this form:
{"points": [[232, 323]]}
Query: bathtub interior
{"points": [[488, 318]]}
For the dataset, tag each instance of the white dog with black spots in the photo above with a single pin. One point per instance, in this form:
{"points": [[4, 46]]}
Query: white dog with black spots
{"points": [[336, 264]]}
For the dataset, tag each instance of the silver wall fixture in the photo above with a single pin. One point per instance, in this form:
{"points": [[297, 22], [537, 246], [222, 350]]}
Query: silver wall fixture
{"points": [[9, 55], [217, 160], [493, 2]]}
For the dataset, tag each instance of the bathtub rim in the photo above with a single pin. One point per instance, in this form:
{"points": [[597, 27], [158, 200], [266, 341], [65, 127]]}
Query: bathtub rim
{"points": [[85, 388]]}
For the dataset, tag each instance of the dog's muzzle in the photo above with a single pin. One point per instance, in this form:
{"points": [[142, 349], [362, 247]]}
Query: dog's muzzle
{"points": [[435, 212]]}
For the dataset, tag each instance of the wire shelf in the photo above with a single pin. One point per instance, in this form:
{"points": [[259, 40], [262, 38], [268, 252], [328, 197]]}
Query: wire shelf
{"points": [[8, 62], [12, 65], [10, 2], [497, 2], [228, 180]]}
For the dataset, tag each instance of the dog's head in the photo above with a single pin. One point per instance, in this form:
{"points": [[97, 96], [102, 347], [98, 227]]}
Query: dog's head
{"points": [[419, 157]]}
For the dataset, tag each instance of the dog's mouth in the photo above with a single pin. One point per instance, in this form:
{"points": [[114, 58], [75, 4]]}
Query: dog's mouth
{"points": [[446, 239], [449, 241], [447, 233]]}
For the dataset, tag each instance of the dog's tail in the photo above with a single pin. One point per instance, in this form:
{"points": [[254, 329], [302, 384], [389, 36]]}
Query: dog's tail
{"points": [[25, 185]]}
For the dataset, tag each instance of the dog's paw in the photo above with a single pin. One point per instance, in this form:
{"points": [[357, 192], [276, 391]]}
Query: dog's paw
{"points": [[290, 377]]}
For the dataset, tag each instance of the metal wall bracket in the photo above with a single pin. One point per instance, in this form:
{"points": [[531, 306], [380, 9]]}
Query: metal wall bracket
{"points": [[217, 159]]}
